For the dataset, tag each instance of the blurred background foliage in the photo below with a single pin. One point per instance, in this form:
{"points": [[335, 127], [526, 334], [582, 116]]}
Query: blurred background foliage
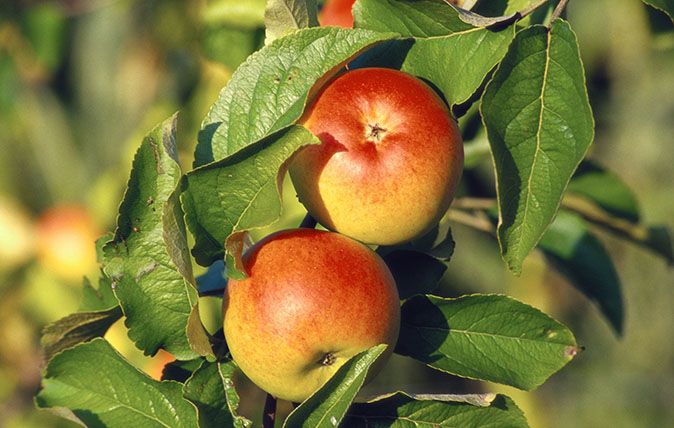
{"points": [[81, 81]]}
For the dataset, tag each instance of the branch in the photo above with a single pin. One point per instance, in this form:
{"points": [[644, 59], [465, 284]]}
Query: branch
{"points": [[269, 415], [482, 204], [558, 10], [476, 221]]}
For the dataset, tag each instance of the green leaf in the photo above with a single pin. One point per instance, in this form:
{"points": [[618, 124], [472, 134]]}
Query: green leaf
{"points": [[666, 6], [455, 56], [104, 390], [402, 410], [327, 406], [180, 371], [269, 91], [77, 328], [282, 17], [540, 126], [211, 390], [148, 260], [238, 193], [581, 257], [418, 266], [414, 272], [486, 337], [605, 189], [655, 238], [98, 298]]}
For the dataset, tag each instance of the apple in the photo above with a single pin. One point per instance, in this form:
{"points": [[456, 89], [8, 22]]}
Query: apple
{"points": [[17, 240], [389, 161], [66, 236], [312, 300], [337, 13]]}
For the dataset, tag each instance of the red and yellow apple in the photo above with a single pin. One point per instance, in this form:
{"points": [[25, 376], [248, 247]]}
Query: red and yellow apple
{"points": [[337, 13], [66, 236], [312, 300], [389, 161]]}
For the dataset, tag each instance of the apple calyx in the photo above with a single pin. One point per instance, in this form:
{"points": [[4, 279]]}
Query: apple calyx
{"points": [[375, 133], [328, 359]]}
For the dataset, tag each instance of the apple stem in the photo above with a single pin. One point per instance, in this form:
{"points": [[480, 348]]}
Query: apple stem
{"points": [[269, 416], [308, 223]]}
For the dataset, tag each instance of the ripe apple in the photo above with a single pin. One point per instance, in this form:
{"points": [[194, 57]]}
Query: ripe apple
{"points": [[312, 300], [390, 159], [337, 13], [66, 236]]}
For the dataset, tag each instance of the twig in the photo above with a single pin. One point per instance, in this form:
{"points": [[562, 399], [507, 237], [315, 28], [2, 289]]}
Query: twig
{"points": [[269, 416], [308, 223], [558, 10], [474, 203], [473, 220]]}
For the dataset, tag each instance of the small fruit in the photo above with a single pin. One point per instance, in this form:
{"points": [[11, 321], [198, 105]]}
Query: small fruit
{"points": [[390, 160], [313, 299], [337, 13], [66, 237]]}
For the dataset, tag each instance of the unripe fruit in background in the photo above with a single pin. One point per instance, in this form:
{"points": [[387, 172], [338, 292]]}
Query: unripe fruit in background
{"points": [[313, 299], [390, 159], [337, 13], [17, 241], [66, 237]]}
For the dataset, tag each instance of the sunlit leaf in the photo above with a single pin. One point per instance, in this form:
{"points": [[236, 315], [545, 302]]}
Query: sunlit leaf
{"points": [[540, 126], [327, 406], [487, 337], [104, 390]]}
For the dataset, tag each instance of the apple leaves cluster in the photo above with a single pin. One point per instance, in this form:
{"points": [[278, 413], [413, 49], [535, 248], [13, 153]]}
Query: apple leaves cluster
{"points": [[528, 82]]}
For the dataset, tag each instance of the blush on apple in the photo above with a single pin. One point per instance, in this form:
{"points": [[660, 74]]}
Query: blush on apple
{"points": [[313, 299], [390, 159], [337, 13]]}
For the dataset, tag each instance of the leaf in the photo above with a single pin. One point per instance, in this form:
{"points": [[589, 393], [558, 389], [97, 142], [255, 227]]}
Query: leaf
{"points": [[666, 6], [486, 337], [540, 126], [77, 328], [285, 16], [180, 371], [327, 406], [98, 299], [655, 238], [478, 20], [403, 410], [238, 193], [104, 390], [581, 258], [211, 390], [269, 91], [148, 260], [454, 56], [414, 272], [418, 266], [605, 189]]}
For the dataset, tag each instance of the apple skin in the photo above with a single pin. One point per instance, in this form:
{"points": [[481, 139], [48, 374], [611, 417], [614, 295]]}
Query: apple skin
{"points": [[312, 300], [390, 160], [337, 13]]}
